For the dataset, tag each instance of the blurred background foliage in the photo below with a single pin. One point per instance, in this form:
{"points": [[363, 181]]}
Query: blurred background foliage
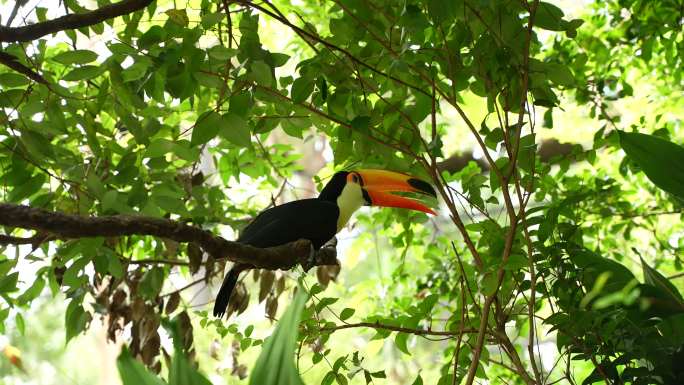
{"points": [[209, 111]]}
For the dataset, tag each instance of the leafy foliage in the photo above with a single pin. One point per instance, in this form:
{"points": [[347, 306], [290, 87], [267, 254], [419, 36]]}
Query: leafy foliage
{"points": [[191, 112]]}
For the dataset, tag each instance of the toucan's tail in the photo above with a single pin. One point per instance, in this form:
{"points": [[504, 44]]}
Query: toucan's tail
{"points": [[223, 296]]}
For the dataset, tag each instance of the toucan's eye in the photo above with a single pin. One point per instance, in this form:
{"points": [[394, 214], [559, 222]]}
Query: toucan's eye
{"points": [[355, 178]]}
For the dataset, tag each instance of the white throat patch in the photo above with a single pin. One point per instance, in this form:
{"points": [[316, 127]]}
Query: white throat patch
{"points": [[350, 200]]}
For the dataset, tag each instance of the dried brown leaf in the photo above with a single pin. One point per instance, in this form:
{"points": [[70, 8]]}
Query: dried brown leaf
{"points": [[170, 248], [280, 285], [172, 303], [271, 306], [138, 309], [194, 257], [266, 284], [151, 350], [185, 326]]}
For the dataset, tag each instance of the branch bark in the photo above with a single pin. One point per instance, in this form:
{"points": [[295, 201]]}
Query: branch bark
{"points": [[65, 226], [12, 62], [73, 21]]}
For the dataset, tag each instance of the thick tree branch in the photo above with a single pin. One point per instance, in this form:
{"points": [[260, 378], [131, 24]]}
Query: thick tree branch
{"points": [[11, 240], [73, 21], [13, 63], [65, 226]]}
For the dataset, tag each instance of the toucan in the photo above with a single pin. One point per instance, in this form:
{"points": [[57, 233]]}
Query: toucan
{"points": [[319, 219]]}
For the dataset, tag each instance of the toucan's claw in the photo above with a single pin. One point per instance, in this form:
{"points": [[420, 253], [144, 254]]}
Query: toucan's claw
{"points": [[310, 260], [312, 254]]}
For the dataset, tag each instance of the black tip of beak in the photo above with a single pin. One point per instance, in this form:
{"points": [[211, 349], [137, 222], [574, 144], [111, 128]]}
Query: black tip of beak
{"points": [[422, 186]]}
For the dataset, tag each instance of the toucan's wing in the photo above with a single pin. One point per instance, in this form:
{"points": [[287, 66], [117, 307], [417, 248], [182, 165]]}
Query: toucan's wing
{"points": [[312, 219]]}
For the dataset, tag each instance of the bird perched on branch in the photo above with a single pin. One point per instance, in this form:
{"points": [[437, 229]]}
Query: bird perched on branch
{"points": [[319, 219]]}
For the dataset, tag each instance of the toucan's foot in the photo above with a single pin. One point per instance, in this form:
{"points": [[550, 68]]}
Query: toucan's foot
{"points": [[312, 256]]}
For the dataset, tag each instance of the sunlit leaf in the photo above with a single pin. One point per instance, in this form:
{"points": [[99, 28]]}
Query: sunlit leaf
{"points": [[661, 160], [275, 365], [133, 372]]}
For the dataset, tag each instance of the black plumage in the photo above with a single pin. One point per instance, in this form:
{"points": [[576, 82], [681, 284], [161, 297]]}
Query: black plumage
{"points": [[313, 219], [318, 220]]}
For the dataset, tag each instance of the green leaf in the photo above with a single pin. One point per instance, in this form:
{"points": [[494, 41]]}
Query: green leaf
{"points": [[207, 127], [560, 74], [279, 59], [548, 16], [8, 283], [401, 341], [653, 277], [75, 319], [133, 372], [489, 284], [222, 53], [73, 276], [37, 144], [361, 123], [516, 262], [83, 73], [135, 71], [261, 73], [115, 267], [32, 292], [329, 378], [275, 365], [181, 371], [159, 147], [236, 130], [77, 56], [378, 374], [11, 98], [346, 313], [122, 49], [151, 283], [594, 266], [211, 19], [662, 161], [178, 16], [209, 80], [151, 37], [441, 10], [301, 89], [28, 188], [11, 80]]}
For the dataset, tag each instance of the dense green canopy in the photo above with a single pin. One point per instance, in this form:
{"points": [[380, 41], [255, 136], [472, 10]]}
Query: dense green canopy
{"points": [[138, 137]]}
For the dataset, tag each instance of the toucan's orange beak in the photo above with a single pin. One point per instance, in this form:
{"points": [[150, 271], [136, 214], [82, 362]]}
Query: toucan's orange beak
{"points": [[379, 184]]}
